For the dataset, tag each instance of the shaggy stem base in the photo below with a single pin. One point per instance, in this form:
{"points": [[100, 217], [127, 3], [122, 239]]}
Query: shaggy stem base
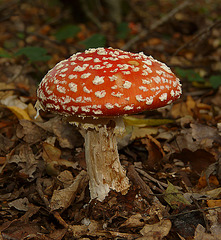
{"points": [[103, 164]]}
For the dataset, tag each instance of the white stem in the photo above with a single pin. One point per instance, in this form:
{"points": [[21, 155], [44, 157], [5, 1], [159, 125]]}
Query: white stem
{"points": [[103, 164]]}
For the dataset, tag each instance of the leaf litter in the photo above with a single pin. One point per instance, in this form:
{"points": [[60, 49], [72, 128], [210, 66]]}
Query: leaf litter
{"points": [[173, 163]]}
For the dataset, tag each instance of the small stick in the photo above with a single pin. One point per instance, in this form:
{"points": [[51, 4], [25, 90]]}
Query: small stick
{"points": [[198, 35], [155, 25]]}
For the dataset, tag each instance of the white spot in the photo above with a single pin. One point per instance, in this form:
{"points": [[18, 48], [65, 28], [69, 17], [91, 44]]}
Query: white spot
{"points": [[163, 97], [113, 78], [127, 99], [127, 108], [118, 94], [157, 79], [66, 100], [86, 90], [123, 56], [81, 69], [60, 64], [72, 76], [140, 98], [97, 112], [159, 72], [85, 109], [73, 87], [96, 60], [96, 106], [98, 80], [126, 72], [74, 109], [61, 89], [101, 51], [109, 105], [149, 100], [85, 75], [164, 66], [175, 83], [148, 69], [88, 58], [169, 102], [144, 81], [127, 84], [78, 99], [136, 69], [64, 70], [87, 99], [123, 66], [62, 75], [108, 65], [114, 70], [90, 50], [100, 94], [114, 87], [143, 88], [117, 105], [80, 58], [145, 73], [73, 63], [148, 62], [164, 80]]}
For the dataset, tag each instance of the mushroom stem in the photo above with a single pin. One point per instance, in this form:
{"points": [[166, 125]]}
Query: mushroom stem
{"points": [[103, 164]]}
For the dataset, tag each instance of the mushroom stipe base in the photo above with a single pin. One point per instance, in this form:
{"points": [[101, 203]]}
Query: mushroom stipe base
{"points": [[103, 164]]}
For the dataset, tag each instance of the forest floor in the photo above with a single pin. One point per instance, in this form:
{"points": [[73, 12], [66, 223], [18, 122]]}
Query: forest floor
{"points": [[174, 165]]}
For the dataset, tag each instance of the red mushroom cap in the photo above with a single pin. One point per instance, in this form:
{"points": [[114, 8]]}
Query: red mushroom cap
{"points": [[107, 82]]}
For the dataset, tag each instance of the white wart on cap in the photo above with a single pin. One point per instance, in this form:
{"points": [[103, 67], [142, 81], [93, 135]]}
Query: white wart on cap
{"points": [[107, 82]]}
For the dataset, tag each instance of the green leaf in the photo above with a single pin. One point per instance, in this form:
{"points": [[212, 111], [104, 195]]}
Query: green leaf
{"points": [[173, 197], [215, 81], [122, 30], [190, 74], [67, 32], [5, 54], [96, 40], [33, 53]]}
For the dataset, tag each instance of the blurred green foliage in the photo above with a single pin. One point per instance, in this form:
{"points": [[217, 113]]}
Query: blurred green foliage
{"points": [[67, 32], [123, 30], [33, 53], [96, 40], [213, 81]]}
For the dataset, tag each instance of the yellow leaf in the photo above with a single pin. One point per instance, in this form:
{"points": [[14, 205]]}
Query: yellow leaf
{"points": [[19, 112], [141, 122]]}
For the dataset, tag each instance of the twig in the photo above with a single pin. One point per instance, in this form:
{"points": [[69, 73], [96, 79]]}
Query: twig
{"points": [[60, 219], [153, 179], [146, 191], [191, 211], [155, 25], [198, 35], [201, 210]]}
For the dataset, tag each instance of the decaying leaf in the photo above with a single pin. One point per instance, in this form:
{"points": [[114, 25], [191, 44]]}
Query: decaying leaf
{"points": [[200, 234], [61, 199], [156, 231], [51, 156], [136, 220], [155, 151], [30, 132], [29, 166], [21, 204], [173, 197], [67, 135]]}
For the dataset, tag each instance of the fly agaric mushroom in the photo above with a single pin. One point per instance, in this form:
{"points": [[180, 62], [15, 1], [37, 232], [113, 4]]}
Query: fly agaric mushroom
{"points": [[97, 87]]}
